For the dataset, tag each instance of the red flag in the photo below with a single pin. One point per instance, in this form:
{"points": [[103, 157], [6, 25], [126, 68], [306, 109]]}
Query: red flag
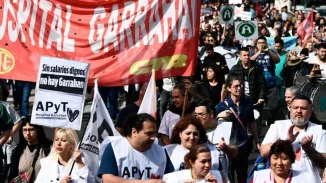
{"points": [[306, 28], [259, 10]]}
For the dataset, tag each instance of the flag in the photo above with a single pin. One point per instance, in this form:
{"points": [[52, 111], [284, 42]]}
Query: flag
{"points": [[100, 126], [289, 42], [148, 104], [305, 29], [258, 10]]}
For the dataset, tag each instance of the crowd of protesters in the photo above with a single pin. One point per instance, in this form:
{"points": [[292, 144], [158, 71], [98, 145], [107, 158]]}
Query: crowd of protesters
{"points": [[207, 124]]}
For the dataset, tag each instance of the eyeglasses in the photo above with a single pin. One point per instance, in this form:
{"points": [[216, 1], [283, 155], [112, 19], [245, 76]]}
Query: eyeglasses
{"points": [[237, 86], [261, 42], [29, 130], [211, 40], [199, 114]]}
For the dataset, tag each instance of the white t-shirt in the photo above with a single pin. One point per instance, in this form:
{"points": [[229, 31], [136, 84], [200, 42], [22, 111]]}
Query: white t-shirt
{"points": [[302, 163], [133, 164], [181, 176], [265, 176], [315, 60], [168, 122]]}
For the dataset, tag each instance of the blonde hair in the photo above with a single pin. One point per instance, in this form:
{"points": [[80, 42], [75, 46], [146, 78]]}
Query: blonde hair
{"points": [[71, 137]]}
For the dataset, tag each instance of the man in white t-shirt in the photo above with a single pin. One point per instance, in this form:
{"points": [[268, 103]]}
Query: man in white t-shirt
{"points": [[320, 59], [135, 157], [172, 115], [308, 139]]}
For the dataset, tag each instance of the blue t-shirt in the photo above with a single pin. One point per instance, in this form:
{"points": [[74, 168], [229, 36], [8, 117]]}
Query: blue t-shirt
{"points": [[264, 60], [109, 164], [245, 111]]}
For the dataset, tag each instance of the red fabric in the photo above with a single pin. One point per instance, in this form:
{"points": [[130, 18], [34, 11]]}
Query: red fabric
{"points": [[259, 10], [122, 40], [305, 29]]}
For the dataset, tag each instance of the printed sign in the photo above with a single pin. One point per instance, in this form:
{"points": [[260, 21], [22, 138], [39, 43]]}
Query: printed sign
{"points": [[122, 40], [59, 94], [246, 30], [235, 1], [204, 11], [245, 15], [226, 15]]}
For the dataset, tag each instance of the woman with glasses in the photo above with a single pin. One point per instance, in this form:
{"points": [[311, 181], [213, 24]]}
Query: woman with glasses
{"points": [[64, 157], [33, 144], [199, 168], [239, 111], [187, 133]]}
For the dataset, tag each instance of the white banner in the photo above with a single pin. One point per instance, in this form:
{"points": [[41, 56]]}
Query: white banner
{"points": [[99, 127], [245, 15], [59, 94]]}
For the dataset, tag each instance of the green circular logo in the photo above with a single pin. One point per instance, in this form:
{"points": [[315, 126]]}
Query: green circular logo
{"points": [[246, 29], [227, 13]]}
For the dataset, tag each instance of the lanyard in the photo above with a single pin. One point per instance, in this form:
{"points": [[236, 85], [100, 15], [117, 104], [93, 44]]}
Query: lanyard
{"points": [[288, 179]]}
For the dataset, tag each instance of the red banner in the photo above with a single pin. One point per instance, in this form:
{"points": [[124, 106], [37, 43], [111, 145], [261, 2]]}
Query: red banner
{"points": [[306, 28], [122, 40]]}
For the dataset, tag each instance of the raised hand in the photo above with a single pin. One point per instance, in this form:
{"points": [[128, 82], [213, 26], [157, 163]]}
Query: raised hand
{"points": [[290, 136]]}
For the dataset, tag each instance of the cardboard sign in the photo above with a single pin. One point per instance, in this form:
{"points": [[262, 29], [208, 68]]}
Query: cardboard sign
{"points": [[246, 30], [235, 1], [245, 15], [59, 94], [226, 15]]}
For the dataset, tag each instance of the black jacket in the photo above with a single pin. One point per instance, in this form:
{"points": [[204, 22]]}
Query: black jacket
{"points": [[257, 83]]}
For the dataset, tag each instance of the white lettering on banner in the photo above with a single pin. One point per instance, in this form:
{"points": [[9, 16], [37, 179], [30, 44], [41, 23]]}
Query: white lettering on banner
{"points": [[56, 26], [114, 28], [96, 44], [155, 24]]}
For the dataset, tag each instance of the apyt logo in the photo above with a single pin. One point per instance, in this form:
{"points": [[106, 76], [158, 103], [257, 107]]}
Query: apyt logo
{"points": [[7, 61]]}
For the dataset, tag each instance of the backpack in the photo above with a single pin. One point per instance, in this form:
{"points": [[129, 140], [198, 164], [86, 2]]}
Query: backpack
{"points": [[260, 164]]}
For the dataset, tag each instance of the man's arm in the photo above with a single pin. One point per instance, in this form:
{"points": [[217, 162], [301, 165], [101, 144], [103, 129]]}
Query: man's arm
{"points": [[224, 66], [165, 139], [264, 150], [4, 137], [255, 56], [317, 158], [275, 57], [270, 138], [262, 85], [231, 151]]}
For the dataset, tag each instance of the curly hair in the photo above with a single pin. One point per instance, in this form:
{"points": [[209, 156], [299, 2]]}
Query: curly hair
{"points": [[183, 124]]}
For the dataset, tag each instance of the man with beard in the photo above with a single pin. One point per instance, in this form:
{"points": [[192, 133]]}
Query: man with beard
{"points": [[214, 58], [135, 156], [320, 59], [308, 139]]}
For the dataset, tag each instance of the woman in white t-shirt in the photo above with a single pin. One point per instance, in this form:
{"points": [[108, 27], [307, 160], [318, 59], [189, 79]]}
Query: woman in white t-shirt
{"points": [[199, 162], [187, 133], [281, 158], [56, 167]]}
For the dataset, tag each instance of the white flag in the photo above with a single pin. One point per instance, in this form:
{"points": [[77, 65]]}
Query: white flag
{"points": [[148, 104], [99, 127]]}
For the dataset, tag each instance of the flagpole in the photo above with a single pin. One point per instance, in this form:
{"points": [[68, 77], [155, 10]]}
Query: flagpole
{"points": [[73, 164], [184, 104]]}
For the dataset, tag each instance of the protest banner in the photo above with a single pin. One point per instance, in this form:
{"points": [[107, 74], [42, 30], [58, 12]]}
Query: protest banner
{"points": [[230, 55], [226, 15], [122, 40], [289, 42], [99, 127], [59, 93], [246, 30]]}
